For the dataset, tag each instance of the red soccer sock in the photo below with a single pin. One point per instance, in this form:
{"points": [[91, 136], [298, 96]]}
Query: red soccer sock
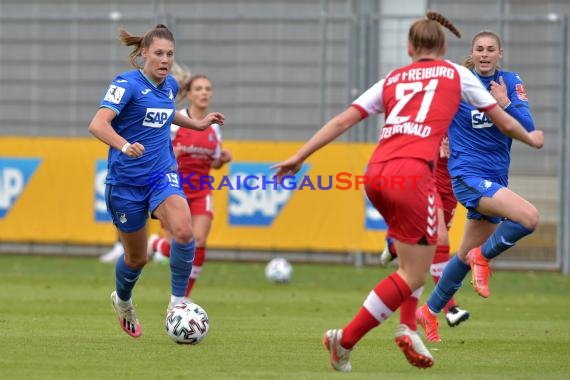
{"points": [[163, 246], [199, 259], [439, 262], [382, 301], [408, 309]]}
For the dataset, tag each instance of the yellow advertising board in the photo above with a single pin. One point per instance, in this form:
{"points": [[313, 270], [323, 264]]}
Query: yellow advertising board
{"points": [[52, 191]]}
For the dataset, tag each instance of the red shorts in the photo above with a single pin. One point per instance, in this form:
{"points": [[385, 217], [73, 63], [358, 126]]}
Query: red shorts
{"points": [[201, 205], [403, 190], [445, 191]]}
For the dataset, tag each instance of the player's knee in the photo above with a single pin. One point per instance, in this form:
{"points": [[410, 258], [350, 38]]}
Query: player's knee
{"points": [[414, 278], [182, 234], [136, 262], [531, 218]]}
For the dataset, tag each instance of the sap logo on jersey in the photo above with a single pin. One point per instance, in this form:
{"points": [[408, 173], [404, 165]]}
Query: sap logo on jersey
{"points": [[156, 117], [101, 214], [260, 205], [14, 176], [480, 120], [373, 220]]}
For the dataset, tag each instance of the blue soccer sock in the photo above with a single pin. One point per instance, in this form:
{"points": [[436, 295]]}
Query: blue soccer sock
{"points": [[503, 238], [448, 284], [125, 278], [181, 259]]}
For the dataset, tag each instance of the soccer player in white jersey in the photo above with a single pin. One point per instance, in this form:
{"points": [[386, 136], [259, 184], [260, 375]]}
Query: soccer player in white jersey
{"points": [[419, 101], [134, 119]]}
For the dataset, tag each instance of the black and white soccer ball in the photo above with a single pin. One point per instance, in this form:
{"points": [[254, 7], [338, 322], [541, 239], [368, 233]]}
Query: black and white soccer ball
{"points": [[187, 323], [278, 270]]}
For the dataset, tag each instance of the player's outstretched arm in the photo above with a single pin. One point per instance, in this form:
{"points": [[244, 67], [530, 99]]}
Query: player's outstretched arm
{"points": [[328, 132], [198, 125]]}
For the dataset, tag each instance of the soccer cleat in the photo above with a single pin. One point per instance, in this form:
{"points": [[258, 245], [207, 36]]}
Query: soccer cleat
{"points": [[114, 254], [158, 257], [413, 348], [388, 254], [127, 317], [480, 272], [173, 303], [340, 356], [455, 316], [429, 322], [150, 253]]}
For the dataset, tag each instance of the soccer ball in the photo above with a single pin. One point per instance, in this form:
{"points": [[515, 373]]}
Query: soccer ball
{"points": [[187, 323], [278, 270]]}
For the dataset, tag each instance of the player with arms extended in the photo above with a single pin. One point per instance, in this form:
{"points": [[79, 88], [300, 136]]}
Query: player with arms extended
{"points": [[420, 101], [479, 165], [134, 119]]}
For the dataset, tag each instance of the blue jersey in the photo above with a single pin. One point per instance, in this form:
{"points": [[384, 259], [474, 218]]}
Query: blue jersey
{"points": [[477, 146], [144, 114]]}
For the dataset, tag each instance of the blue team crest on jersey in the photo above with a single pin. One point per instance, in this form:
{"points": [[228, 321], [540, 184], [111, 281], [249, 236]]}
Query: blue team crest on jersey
{"points": [[373, 220], [15, 173], [99, 206], [254, 200]]}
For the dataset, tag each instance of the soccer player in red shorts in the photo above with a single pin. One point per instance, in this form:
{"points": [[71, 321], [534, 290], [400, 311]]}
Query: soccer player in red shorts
{"points": [[196, 153], [419, 101], [447, 203]]}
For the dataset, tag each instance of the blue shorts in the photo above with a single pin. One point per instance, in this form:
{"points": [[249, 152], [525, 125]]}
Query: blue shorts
{"points": [[130, 205], [470, 190]]}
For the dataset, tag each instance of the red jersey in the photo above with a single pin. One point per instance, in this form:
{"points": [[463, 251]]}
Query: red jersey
{"points": [[197, 150], [419, 101]]}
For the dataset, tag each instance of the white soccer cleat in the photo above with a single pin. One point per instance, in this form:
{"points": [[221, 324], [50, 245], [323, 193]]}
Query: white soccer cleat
{"points": [[388, 254], [455, 316], [127, 317], [114, 254], [386, 257], [413, 348], [174, 303], [340, 356], [150, 253], [158, 257]]}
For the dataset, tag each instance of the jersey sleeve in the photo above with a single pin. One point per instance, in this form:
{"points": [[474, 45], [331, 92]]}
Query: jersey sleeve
{"points": [[118, 95], [473, 92], [519, 108], [218, 152], [371, 101], [173, 130]]}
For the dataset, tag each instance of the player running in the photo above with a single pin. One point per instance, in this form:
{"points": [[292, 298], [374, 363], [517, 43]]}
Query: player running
{"points": [[134, 120], [479, 166]]}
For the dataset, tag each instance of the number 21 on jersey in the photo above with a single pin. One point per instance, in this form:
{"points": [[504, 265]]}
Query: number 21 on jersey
{"points": [[404, 93]]}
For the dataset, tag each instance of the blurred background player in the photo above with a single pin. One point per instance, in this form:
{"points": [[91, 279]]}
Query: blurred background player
{"points": [[447, 203], [479, 166], [134, 119], [196, 152], [419, 101]]}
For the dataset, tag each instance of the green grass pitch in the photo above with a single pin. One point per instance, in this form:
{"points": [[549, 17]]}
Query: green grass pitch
{"points": [[56, 322]]}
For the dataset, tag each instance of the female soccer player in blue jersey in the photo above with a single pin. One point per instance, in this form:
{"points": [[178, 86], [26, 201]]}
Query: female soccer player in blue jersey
{"points": [[479, 165], [134, 119]]}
